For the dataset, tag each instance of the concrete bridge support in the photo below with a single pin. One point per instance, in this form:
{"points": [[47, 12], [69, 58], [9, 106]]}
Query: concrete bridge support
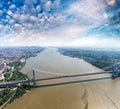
{"points": [[34, 82]]}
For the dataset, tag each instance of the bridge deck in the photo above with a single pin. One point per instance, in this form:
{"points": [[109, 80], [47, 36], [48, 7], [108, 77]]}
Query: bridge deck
{"points": [[14, 83]]}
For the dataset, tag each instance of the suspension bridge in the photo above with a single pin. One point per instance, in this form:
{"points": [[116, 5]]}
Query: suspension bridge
{"points": [[55, 76]]}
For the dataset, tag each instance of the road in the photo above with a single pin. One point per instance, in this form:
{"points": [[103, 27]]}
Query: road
{"points": [[14, 83]]}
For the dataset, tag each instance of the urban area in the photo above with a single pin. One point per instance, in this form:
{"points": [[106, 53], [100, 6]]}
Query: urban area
{"points": [[12, 59]]}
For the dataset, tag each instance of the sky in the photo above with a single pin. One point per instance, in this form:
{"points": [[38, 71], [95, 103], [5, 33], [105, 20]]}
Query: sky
{"points": [[84, 23]]}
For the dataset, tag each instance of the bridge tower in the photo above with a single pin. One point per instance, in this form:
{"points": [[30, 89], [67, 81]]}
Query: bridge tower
{"points": [[34, 82], [115, 72]]}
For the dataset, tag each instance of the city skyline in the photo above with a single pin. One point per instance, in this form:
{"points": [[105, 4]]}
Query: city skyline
{"points": [[84, 23]]}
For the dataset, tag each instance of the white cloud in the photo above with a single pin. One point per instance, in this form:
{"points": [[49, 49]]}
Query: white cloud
{"points": [[41, 20], [6, 28], [48, 5], [17, 28], [16, 16], [62, 36], [85, 10], [11, 21], [1, 26], [23, 18], [10, 13], [12, 6], [33, 18], [29, 26], [43, 40], [69, 32], [111, 2], [38, 8], [8, 17], [95, 42]]}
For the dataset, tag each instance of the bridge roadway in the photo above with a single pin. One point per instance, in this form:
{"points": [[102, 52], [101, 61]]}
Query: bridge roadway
{"points": [[14, 83]]}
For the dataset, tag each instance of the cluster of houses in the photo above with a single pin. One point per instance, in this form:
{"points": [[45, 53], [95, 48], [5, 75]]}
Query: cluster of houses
{"points": [[11, 55], [2, 69]]}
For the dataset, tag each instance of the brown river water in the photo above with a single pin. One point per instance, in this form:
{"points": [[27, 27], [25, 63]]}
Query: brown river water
{"points": [[103, 94]]}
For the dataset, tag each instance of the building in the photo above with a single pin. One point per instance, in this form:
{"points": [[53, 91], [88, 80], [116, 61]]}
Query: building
{"points": [[1, 68], [2, 77], [22, 60]]}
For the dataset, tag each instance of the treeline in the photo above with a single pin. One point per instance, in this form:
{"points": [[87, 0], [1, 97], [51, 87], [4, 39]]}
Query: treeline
{"points": [[99, 58]]}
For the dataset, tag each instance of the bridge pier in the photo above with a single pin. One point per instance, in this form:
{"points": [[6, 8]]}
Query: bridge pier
{"points": [[34, 82]]}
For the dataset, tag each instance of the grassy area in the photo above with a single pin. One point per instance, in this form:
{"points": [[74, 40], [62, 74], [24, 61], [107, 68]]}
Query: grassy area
{"points": [[21, 90], [5, 95]]}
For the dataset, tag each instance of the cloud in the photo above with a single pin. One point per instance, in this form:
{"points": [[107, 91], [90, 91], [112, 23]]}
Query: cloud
{"points": [[29, 7], [8, 17], [38, 8], [85, 10], [96, 42], [43, 40], [59, 22], [1, 26], [48, 5], [16, 16], [10, 13], [111, 2], [23, 18], [12, 6], [11, 21]]}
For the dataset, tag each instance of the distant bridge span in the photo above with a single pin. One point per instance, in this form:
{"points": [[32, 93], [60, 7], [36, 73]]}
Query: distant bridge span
{"points": [[15, 83]]}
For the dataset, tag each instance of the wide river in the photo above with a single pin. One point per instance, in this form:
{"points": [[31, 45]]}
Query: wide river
{"points": [[50, 60], [92, 95]]}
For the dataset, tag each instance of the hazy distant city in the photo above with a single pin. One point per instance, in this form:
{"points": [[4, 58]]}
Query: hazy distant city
{"points": [[10, 55]]}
